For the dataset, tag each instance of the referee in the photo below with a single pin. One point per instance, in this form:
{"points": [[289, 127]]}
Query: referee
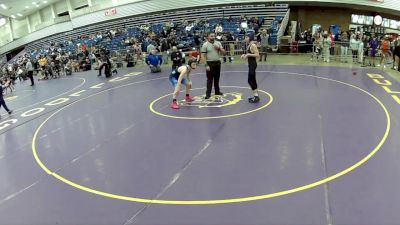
{"points": [[210, 52]]}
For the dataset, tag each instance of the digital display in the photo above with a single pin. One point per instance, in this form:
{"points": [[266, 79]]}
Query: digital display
{"points": [[361, 19], [394, 24], [369, 20]]}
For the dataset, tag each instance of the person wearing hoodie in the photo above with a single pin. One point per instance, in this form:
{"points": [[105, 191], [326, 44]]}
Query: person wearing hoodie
{"points": [[154, 61]]}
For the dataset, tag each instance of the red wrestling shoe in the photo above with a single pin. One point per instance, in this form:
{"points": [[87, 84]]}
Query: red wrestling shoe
{"points": [[189, 99], [175, 105]]}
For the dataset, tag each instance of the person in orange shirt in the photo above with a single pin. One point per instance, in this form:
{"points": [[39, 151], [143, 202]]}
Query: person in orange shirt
{"points": [[385, 48], [195, 54]]}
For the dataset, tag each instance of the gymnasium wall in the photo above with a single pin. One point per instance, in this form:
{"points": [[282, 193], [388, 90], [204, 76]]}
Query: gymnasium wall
{"points": [[20, 28], [5, 34], [34, 20], [60, 7]]}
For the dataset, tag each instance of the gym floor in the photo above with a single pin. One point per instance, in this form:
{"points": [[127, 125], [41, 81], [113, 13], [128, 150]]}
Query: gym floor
{"points": [[320, 148]]}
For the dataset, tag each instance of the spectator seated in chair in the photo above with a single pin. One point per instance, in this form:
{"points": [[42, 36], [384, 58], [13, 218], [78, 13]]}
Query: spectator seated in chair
{"points": [[154, 61], [130, 60], [76, 65], [104, 62], [86, 65], [68, 68]]}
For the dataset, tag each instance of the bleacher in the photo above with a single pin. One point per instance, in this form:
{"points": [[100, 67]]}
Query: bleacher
{"points": [[266, 12]]}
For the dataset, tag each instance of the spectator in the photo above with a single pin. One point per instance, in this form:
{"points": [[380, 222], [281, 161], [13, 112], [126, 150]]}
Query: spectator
{"points": [[344, 46], [326, 46], [354, 45], [150, 48], [264, 45], [385, 48], [195, 53], [218, 29], [154, 61], [165, 50], [29, 68], [176, 58]]}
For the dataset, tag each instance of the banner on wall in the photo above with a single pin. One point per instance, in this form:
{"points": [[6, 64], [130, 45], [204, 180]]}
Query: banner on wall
{"points": [[110, 12]]}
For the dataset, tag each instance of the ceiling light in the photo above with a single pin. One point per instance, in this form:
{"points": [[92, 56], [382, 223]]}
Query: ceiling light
{"points": [[27, 7], [12, 16], [34, 3], [37, 5], [44, 2], [19, 14], [3, 6]]}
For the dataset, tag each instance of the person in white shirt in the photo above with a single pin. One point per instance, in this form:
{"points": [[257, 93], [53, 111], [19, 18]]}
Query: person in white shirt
{"points": [[354, 46], [218, 29], [326, 45], [29, 68]]}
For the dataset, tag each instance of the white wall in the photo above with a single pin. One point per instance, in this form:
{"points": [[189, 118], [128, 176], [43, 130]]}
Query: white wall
{"points": [[46, 14], [60, 7], [5, 35], [20, 28], [37, 35], [34, 20], [78, 3], [94, 2]]}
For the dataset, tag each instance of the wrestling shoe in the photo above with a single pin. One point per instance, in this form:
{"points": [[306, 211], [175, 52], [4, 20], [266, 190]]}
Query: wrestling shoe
{"points": [[254, 99], [189, 99], [175, 105]]}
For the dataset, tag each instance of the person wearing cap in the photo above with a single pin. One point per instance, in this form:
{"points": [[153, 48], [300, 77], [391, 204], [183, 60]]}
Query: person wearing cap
{"points": [[211, 52]]}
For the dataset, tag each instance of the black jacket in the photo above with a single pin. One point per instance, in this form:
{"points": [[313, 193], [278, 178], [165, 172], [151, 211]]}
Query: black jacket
{"points": [[1, 93], [176, 58]]}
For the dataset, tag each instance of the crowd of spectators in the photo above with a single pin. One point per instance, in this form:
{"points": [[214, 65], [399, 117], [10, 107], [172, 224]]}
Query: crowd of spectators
{"points": [[132, 45], [366, 49]]}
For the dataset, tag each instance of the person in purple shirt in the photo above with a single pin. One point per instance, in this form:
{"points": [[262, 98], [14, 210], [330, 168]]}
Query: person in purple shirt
{"points": [[2, 102], [374, 46]]}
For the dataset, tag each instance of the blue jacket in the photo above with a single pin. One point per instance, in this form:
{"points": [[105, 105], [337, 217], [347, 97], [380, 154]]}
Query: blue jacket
{"points": [[154, 60]]}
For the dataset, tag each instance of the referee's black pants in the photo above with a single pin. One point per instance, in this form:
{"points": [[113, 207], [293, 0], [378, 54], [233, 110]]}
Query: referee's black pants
{"points": [[213, 76]]}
